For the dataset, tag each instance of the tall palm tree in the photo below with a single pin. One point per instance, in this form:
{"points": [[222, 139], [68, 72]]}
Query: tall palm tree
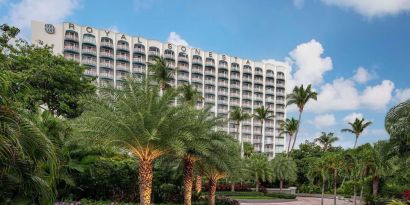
{"points": [[300, 97], [397, 124], [258, 169], [357, 128], [221, 161], [140, 121], [263, 114], [289, 127], [283, 169], [326, 140], [238, 115], [335, 164], [161, 73], [318, 171]]}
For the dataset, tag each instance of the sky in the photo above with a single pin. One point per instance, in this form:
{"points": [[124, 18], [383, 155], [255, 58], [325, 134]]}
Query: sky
{"points": [[356, 54]]}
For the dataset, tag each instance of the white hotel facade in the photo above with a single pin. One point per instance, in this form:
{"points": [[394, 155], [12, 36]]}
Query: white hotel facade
{"points": [[224, 81]]}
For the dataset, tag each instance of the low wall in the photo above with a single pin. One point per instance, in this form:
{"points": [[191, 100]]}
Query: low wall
{"points": [[290, 190]]}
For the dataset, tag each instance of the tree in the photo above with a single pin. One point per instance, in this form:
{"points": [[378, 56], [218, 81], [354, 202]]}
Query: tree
{"points": [[263, 114], [248, 149], [326, 140], [220, 163], [161, 73], [397, 124], [300, 97], [258, 169], [283, 169], [189, 95], [318, 172], [289, 127], [139, 120], [334, 164], [238, 115], [54, 81], [357, 128]]}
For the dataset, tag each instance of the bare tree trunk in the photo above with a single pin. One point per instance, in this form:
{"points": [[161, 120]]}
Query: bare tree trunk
{"points": [[335, 186], [323, 192], [257, 186], [361, 194], [281, 185], [212, 191], [232, 187], [145, 177], [188, 180], [375, 185], [354, 190], [198, 184], [297, 130]]}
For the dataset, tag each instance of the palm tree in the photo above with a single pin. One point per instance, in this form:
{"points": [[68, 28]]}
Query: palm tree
{"points": [[248, 149], [161, 73], [397, 124], [140, 121], [189, 95], [357, 128], [300, 97], [289, 127], [334, 163], [326, 140], [318, 170], [258, 169], [283, 169], [220, 163], [263, 114], [238, 115]]}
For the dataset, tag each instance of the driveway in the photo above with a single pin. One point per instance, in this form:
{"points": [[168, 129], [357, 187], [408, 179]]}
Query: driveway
{"points": [[299, 201]]}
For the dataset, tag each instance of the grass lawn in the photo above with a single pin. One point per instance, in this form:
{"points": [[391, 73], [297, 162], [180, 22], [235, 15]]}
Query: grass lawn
{"points": [[251, 197]]}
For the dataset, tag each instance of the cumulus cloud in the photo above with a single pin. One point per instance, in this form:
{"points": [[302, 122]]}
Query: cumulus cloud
{"points": [[378, 96], [372, 8], [325, 120], [402, 95], [309, 63], [352, 116], [362, 75], [51, 11], [176, 39]]}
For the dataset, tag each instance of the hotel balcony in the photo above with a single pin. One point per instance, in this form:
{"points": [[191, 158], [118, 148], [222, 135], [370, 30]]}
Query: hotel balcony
{"points": [[210, 64], [258, 80], [71, 38], [197, 61], [223, 92], [234, 68], [183, 59], [223, 66], [123, 47], [210, 73], [258, 90], [74, 58], [268, 133], [259, 72], [269, 75], [197, 70], [257, 98], [196, 80], [183, 68], [234, 103], [280, 101], [235, 86], [280, 110], [107, 55], [257, 131], [123, 68], [107, 75], [139, 51], [222, 84], [280, 76], [123, 58], [223, 75], [169, 56], [209, 100], [269, 91], [249, 88], [90, 72], [233, 130], [89, 40], [139, 61], [74, 49], [222, 102], [209, 90], [107, 65], [269, 99], [246, 122], [120, 77], [280, 141], [246, 131], [235, 77], [138, 70], [89, 52], [211, 82], [247, 79], [237, 95], [106, 44], [269, 124], [183, 77], [153, 53], [89, 62], [280, 93], [247, 70], [246, 104], [280, 84]]}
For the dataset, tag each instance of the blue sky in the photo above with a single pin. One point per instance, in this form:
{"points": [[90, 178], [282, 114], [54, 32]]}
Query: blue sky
{"points": [[355, 53]]}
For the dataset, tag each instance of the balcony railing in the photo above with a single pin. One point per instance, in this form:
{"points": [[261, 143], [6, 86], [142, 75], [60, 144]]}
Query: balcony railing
{"points": [[71, 38], [123, 47], [209, 90], [247, 79], [139, 60], [122, 67], [223, 75], [107, 44], [106, 54], [234, 103], [183, 58], [89, 51], [235, 77], [72, 48], [222, 84], [90, 72], [197, 61], [210, 82], [223, 65], [258, 72], [209, 100], [107, 65], [196, 80], [211, 73], [89, 40], [197, 70], [123, 57], [139, 50], [153, 53], [235, 95], [279, 76], [89, 62], [236, 86], [169, 56], [258, 80], [120, 77], [222, 92], [224, 102], [183, 77], [210, 63], [138, 70], [107, 75]]}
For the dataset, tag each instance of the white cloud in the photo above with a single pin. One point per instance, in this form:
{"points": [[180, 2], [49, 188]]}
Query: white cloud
{"points": [[325, 120], [362, 75], [402, 95], [352, 116], [373, 8], [51, 11], [113, 28], [378, 96], [309, 63], [176, 39]]}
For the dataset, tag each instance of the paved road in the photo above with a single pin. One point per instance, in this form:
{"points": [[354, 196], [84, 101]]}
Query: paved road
{"points": [[300, 201]]}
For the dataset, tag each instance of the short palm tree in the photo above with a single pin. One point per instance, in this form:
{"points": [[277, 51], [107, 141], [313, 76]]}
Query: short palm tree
{"points": [[335, 164], [326, 140], [138, 120], [357, 128], [258, 169], [318, 172], [238, 115], [300, 97], [283, 169], [397, 124], [189, 95], [289, 127], [262, 113], [161, 73], [222, 161]]}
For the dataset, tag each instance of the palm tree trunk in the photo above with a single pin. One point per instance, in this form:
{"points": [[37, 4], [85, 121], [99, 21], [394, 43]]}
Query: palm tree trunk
{"points": [[212, 191], [263, 136], [188, 176], [257, 186], [232, 187], [281, 185], [290, 140], [198, 184], [145, 185], [355, 142], [297, 130], [335, 186], [375, 185], [361, 194], [323, 192], [354, 190]]}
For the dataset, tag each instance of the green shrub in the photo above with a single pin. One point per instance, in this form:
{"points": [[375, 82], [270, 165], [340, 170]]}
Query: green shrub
{"points": [[309, 189], [281, 195], [242, 193]]}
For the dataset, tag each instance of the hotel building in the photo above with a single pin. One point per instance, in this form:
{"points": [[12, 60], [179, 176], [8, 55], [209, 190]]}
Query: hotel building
{"points": [[224, 81]]}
